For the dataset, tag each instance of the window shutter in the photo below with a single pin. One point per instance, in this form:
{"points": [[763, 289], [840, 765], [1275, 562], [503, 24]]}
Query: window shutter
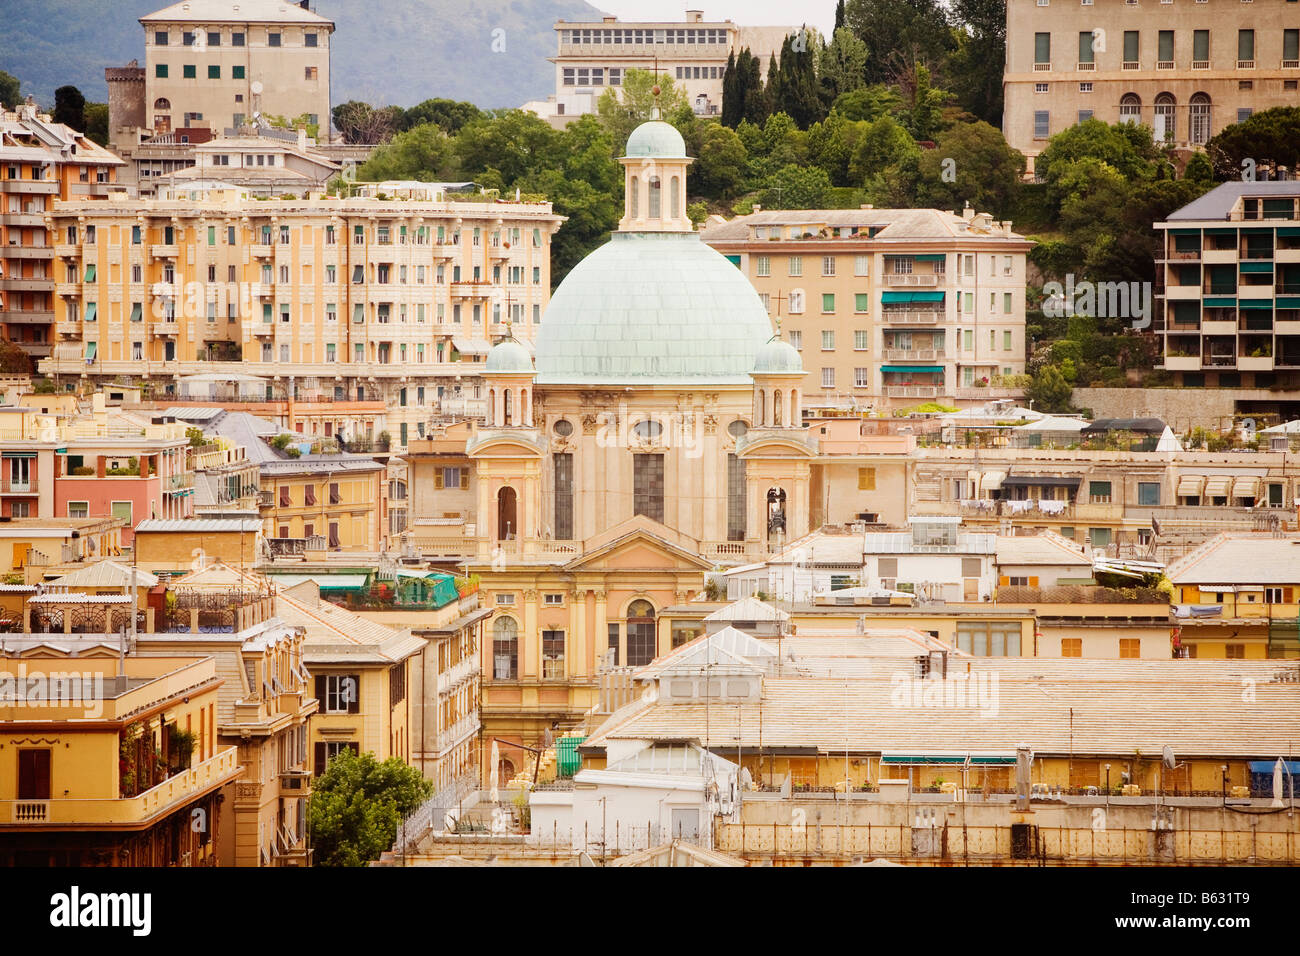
{"points": [[464, 478], [1033, 581], [437, 478], [1004, 581], [354, 705], [320, 691], [319, 760]]}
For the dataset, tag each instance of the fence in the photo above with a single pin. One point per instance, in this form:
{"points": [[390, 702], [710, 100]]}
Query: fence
{"points": [[432, 814]]}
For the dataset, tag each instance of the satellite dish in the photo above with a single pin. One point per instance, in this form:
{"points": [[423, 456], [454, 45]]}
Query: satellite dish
{"points": [[1168, 754], [256, 88]]}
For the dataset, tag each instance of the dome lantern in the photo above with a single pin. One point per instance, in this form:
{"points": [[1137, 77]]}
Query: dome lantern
{"points": [[654, 188]]}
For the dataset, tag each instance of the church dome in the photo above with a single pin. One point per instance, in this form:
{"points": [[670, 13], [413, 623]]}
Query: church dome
{"points": [[778, 358], [652, 308], [656, 140], [508, 356]]}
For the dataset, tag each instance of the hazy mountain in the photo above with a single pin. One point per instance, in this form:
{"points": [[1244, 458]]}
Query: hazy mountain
{"points": [[384, 51]]}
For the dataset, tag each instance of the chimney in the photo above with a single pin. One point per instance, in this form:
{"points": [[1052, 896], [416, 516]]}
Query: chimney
{"points": [[758, 207], [302, 138], [694, 16], [968, 213]]}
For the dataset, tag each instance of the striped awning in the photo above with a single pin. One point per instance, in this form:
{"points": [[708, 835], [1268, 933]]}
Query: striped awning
{"points": [[1189, 486], [1218, 486], [992, 480], [1247, 486]]}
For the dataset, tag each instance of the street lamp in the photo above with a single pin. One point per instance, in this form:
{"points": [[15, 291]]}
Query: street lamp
{"points": [[1223, 780]]}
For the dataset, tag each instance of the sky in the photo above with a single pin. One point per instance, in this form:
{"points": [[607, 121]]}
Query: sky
{"points": [[753, 13]]}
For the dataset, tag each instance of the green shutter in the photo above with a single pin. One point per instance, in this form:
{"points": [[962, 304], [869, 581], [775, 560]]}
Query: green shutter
{"points": [[90, 272], [1085, 46], [860, 302], [1042, 48], [1245, 44], [136, 311], [1201, 46], [1166, 46], [1291, 44], [1130, 46]]}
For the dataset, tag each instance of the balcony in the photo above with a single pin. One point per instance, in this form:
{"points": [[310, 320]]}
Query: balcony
{"points": [[1087, 67], [1219, 327], [66, 250], [164, 326], [172, 793], [29, 187], [1245, 64], [1185, 255], [913, 391], [27, 316], [912, 280], [30, 284], [927, 317], [260, 251], [10, 486], [915, 355], [1200, 64], [166, 290], [472, 290], [1132, 65], [1183, 363], [35, 219], [295, 781], [166, 250], [1255, 363], [977, 393], [180, 482], [70, 327], [1164, 64], [67, 288], [1042, 68]]}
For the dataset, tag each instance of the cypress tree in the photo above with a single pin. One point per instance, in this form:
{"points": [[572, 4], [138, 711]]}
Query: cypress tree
{"points": [[733, 103]]}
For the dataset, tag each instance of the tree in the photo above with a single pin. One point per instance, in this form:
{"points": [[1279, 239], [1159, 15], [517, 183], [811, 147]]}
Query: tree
{"points": [[899, 29], [13, 358], [922, 110], [719, 170], [70, 108], [797, 93], [196, 437], [516, 143], [301, 121], [867, 103], [884, 145], [976, 64], [732, 93], [450, 115], [623, 108], [1267, 138], [10, 93], [357, 806], [971, 163], [842, 67], [796, 187], [423, 153], [1049, 391], [97, 122], [361, 123]]}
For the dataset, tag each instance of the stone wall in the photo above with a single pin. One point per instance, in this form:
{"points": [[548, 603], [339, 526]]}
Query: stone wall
{"points": [[1180, 408]]}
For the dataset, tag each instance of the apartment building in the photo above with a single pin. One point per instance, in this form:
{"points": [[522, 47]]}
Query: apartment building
{"points": [[888, 307], [1186, 68], [336, 498], [265, 163], [124, 770], [40, 161], [215, 65], [1238, 597], [592, 56], [1229, 291], [381, 297]]}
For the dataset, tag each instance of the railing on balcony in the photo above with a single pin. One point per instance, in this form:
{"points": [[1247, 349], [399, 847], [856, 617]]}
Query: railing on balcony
{"points": [[10, 486], [912, 279], [913, 391], [912, 317]]}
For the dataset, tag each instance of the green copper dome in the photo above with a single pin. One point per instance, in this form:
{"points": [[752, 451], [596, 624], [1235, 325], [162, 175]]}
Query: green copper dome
{"points": [[778, 358], [656, 139], [652, 308], [508, 356]]}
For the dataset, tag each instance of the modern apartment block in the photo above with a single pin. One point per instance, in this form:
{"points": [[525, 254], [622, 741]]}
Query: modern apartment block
{"points": [[888, 307], [384, 297], [1230, 293], [593, 56], [214, 64], [40, 161], [1186, 68]]}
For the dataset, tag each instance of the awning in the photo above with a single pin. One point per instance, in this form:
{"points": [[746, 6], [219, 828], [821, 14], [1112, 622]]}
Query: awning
{"points": [[1218, 486], [325, 581], [1219, 302], [1266, 766], [991, 480], [911, 368], [471, 346], [1288, 302], [931, 257], [20, 454], [1041, 481], [949, 758], [1256, 304], [1189, 486], [1220, 232], [1246, 486], [1288, 231], [897, 297], [1257, 266]]}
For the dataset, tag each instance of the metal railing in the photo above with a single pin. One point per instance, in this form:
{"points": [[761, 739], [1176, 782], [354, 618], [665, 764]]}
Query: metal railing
{"points": [[433, 813]]}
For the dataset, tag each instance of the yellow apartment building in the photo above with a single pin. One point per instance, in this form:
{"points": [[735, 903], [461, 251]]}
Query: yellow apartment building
{"points": [[1238, 597], [335, 497], [888, 307], [1186, 69], [40, 162], [383, 298], [185, 544], [112, 763]]}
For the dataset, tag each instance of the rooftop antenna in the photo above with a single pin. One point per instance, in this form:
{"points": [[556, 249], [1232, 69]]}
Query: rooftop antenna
{"points": [[654, 90]]}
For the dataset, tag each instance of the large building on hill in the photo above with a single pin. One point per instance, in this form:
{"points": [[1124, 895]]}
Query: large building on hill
{"points": [[1186, 68], [593, 56]]}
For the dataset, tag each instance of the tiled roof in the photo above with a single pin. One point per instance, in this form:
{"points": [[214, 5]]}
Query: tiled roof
{"points": [[1240, 559]]}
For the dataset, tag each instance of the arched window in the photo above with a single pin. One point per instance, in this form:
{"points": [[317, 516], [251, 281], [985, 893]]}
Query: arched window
{"points": [[508, 408], [1200, 121], [162, 103], [794, 408], [636, 197], [675, 197], [776, 408], [505, 649], [523, 408], [775, 510], [654, 197], [1130, 108], [507, 514], [640, 633], [1164, 124], [762, 407], [492, 407]]}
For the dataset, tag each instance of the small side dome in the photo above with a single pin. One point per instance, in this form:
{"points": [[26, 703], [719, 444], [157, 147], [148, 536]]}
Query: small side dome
{"points": [[778, 358], [656, 140], [508, 356]]}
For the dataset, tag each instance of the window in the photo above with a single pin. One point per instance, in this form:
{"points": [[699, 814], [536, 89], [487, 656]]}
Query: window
{"points": [[160, 38], [860, 340], [828, 265], [1278, 595], [796, 265], [796, 340], [828, 303], [237, 39], [861, 378], [237, 73], [505, 648], [763, 265], [309, 39], [552, 653], [78, 509], [273, 39], [1245, 48], [160, 71], [828, 378], [866, 479], [1148, 492], [828, 340], [123, 510], [1040, 124], [860, 302], [1071, 647], [189, 71], [339, 693], [214, 72], [989, 639], [648, 486], [1099, 492], [563, 466], [1042, 49], [34, 773], [1130, 648], [861, 265], [640, 634]]}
